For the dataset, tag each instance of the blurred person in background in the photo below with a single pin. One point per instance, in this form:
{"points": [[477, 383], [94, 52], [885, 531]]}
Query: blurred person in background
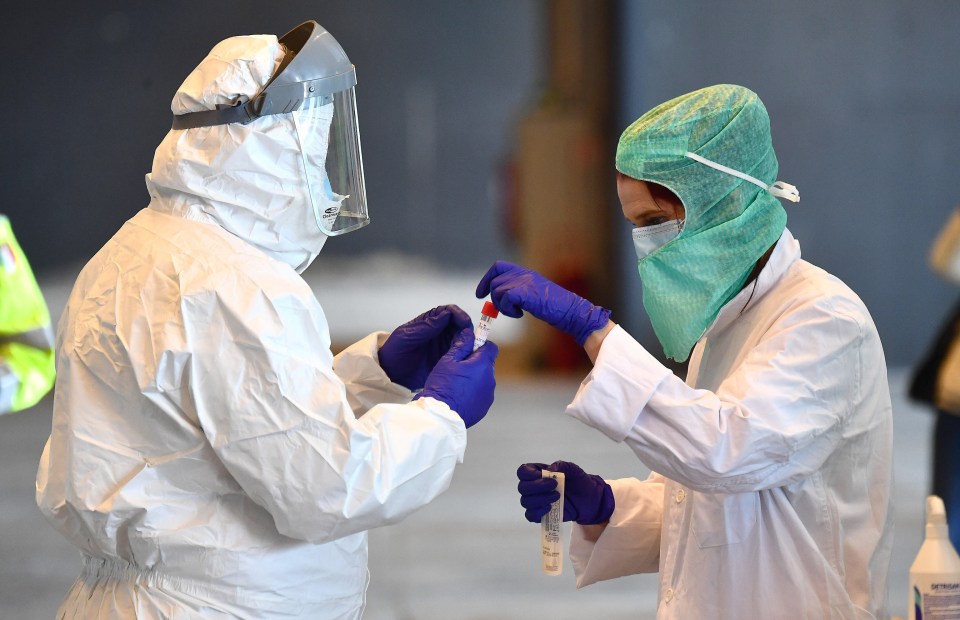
{"points": [[936, 381], [771, 485], [209, 455], [27, 368]]}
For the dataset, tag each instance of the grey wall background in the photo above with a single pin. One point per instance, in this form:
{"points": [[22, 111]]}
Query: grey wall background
{"points": [[863, 96], [864, 101], [441, 86]]}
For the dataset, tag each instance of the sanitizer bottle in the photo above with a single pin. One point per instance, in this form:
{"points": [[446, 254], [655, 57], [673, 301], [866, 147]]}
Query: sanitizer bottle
{"points": [[935, 574]]}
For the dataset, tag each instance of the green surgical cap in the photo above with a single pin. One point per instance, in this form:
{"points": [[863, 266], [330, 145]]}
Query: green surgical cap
{"points": [[730, 222]]}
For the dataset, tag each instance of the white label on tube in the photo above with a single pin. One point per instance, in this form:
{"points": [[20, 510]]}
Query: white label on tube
{"points": [[551, 544], [482, 331]]}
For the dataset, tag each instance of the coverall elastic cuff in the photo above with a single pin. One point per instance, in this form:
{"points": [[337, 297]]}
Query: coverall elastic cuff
{"points": [[367, 384]]}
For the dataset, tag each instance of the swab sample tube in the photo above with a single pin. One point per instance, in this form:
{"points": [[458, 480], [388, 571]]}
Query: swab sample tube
{"points": [[487, 314], [551, 545]]}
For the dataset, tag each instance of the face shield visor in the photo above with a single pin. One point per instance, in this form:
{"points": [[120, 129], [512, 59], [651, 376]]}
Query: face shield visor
{"points": [[315, 84], [330, 150]]}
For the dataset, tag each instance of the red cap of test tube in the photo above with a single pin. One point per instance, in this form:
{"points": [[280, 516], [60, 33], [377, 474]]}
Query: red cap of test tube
{"points": [[490, 310]]}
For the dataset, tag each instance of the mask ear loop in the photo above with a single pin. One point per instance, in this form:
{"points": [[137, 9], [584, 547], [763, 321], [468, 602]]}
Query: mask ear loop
{"points": [[778, 189]]}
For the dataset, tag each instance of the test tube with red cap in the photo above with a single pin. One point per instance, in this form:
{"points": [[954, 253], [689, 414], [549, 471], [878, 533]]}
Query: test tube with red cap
{"points": [[487, 315]]}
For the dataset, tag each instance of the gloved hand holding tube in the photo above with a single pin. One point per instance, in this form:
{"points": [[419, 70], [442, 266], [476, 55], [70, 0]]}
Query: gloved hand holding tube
{"points": [[414, 348], [464, 378], [514, 289], [588, 499]]}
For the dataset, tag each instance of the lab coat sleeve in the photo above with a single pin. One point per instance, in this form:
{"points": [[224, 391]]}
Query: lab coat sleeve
{"points": [[774, 420], [367, 385], [269, 402], [630, 542]]}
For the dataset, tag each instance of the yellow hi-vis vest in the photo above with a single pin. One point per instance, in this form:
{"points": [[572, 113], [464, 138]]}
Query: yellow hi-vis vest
{"points": [[27, 367]]}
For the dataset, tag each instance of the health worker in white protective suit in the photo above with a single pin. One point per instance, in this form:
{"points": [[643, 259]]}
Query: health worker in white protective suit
{"points": [[771, 485], [209, 456]]}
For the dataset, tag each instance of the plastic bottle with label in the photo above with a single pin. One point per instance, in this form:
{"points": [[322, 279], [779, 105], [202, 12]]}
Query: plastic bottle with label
{"points": [[935, 573]]}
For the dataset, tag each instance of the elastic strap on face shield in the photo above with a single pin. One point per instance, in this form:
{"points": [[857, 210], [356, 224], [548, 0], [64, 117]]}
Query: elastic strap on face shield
{"points": [[778, 189], [242, 113]]}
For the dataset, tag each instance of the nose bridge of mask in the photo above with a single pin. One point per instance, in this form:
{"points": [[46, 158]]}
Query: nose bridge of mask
{"points": [[648, 239], [313, 131]]}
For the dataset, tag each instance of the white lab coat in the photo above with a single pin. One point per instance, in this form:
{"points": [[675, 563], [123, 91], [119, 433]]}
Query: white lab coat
{"points": [[209, 456], [772, 492]]}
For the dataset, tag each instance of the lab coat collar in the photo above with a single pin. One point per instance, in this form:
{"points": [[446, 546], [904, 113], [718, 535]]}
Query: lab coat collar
{"points": [[784, 255]]}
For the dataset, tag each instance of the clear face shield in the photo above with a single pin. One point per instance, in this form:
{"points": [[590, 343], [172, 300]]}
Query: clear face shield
{"points": [[315, 84], [330, 146]]}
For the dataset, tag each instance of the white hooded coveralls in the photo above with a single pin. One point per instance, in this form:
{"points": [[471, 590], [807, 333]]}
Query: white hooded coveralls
{"points": [[771, 496], [209, 456]]}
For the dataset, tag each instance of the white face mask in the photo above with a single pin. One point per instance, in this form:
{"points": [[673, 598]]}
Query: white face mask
{"points": [[648, 239]]}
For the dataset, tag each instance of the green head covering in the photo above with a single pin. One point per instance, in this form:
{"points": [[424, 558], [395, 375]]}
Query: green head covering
{"points": [[732, 217]]}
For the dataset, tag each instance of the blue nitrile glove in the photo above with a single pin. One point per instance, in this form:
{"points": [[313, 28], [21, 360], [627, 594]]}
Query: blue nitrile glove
{"points": [[514, 289], [587, 499], [463, 378], [414, 348]]}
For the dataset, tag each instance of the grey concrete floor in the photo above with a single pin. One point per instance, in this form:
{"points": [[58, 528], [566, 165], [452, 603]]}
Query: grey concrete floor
{"points": [[470, 555]]}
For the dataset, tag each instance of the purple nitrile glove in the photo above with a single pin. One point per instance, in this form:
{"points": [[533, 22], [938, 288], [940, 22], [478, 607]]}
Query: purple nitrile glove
{"points": [[464, 379], [514, 289], [414, 348], [587, 499]]}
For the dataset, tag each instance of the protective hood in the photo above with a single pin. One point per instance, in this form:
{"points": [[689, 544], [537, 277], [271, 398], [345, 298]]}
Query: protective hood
{"points": [[731, 219], [247, 178]]}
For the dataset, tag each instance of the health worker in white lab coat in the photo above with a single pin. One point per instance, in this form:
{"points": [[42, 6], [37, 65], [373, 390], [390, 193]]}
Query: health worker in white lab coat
{"points": [[209, 455], [770, 495]]}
